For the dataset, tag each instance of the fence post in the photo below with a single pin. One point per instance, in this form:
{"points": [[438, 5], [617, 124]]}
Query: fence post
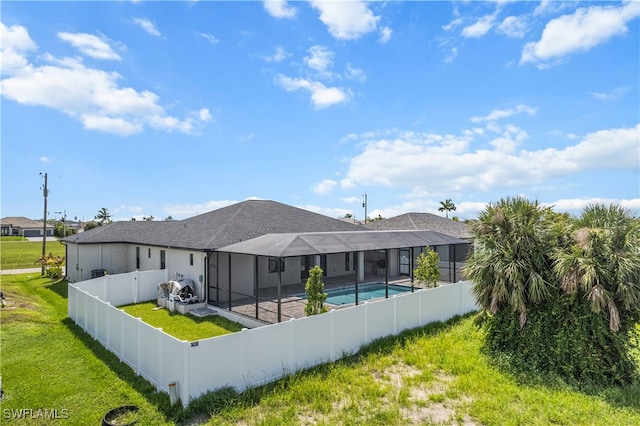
{"points": [[185, 392], [292, 338], [366, 322], [159, 359], [136, 287], [332, 334], [138, 346]]}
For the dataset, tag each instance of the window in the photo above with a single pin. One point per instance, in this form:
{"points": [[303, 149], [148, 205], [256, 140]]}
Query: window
{"points": [[149, 253], [346, 261], [191, 259], [137, 257], [163, 262], [275, 263]]}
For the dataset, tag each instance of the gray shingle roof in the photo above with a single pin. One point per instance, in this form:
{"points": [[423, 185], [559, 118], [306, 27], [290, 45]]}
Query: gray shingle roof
{"points": [[424, 222], [294, 244], [22, 222], [218, 228]]}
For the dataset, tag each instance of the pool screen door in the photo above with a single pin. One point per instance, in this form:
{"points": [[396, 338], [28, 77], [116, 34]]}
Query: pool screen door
{"points": [[405, 261]]}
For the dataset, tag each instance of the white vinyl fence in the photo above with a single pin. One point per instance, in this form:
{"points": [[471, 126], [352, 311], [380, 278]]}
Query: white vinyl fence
{"points": [[251, 357]]}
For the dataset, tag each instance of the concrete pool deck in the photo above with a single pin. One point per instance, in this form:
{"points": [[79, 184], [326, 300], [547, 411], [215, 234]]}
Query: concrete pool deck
{"points": [[292, 303]]}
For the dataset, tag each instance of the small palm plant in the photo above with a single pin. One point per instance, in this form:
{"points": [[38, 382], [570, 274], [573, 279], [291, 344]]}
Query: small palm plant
{"points": [[315, 293], [510, 266], [603, 263]]}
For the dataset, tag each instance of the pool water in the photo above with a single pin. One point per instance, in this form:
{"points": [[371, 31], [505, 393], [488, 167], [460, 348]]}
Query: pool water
{"points": [[345, 296]]}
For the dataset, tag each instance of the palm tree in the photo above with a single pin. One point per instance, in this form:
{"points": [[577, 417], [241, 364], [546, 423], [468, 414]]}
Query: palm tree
{"points": [[603, 263], [509, 265], [447, 206], [103, 215]]}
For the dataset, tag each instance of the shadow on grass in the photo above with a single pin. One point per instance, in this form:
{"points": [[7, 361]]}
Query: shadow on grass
{"points": [[60, 287], [123, 371]]}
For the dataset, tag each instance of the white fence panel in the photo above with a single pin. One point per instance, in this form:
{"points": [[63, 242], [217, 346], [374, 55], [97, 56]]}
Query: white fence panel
{"points": [[311, 339], [114, 340], [450, 301], [430, 305], [150, 340], [171, 364], [251, 357], [129, 336], [380, 318], [467, 299], [216, 363], [102, 322], [347, 339], [148, 284], [407, 311], [268, 352]]}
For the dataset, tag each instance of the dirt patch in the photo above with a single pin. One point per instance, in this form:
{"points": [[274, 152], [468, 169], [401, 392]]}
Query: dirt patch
{"points": [[427, 402]]}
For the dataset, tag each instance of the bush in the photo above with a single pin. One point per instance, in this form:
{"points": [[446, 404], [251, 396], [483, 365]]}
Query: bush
{"points": [[52, 265]]}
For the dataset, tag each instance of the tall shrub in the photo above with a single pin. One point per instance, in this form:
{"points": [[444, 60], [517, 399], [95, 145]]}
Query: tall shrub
{"points": [[559, 295], [427, 271], [315, 292]]}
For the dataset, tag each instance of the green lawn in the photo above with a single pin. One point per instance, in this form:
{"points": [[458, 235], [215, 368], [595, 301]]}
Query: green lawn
{"points": [[24, 254], [432, 375], [183, 327]]}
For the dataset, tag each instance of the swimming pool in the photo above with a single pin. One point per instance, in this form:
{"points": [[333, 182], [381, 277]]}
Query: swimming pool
{"points": [[345, 296]]}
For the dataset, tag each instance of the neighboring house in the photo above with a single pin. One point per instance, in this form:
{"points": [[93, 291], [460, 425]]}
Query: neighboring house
{"points": [[424, 222], [24, 227], [249, 251], [451, 255]]}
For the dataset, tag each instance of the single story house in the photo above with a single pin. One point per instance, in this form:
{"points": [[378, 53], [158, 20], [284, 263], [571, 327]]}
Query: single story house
{"points": [[248, 257], [23, 227]]}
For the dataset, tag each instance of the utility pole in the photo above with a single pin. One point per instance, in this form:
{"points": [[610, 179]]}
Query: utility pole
{"points": [[364, 204], [45, 193]]}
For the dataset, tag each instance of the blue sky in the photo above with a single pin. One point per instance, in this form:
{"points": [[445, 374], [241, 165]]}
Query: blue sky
{"points": [[178, 108]]}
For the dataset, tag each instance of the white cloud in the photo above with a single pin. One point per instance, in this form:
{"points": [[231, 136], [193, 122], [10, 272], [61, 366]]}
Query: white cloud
{"points": [[320, 59], [90, 45], [498, 114], [385, 35], [451, 56], [576, 205], [580, 31], [353, 73], [204, 115], [613, 95], [453, 166], [480, 27], [92, 96], [279, 9], [512, 26], [181, 211], [325, 187], [45, 159], [346, 20], [209, 37], [15, 44], [321, 96], [280, 55], [148, 26]]}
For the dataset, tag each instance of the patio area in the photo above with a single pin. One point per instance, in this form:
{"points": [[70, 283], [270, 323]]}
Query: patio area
{"points": [[293, 298]]}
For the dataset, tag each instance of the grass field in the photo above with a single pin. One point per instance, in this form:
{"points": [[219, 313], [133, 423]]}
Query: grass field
{"points": [[183, 327], [24, 254], [431, 375]]}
